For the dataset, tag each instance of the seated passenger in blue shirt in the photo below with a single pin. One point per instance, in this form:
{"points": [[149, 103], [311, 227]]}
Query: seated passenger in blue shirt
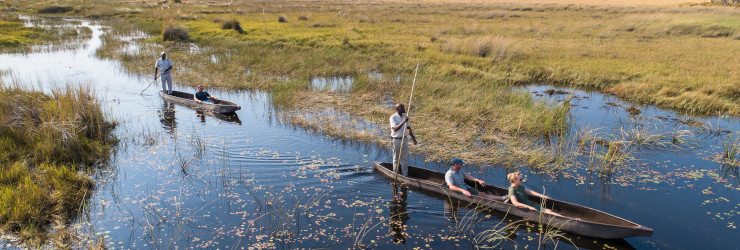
{"points": [[202, 96]]}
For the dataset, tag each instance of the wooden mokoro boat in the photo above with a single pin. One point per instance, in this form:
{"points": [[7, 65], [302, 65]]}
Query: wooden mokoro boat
{"points": [[219, 106], [592, 223]]}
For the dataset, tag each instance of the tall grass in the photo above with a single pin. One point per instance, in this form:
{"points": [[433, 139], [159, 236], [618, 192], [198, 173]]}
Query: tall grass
{"points": [[496, 48], [45, 141], [730, 153]]}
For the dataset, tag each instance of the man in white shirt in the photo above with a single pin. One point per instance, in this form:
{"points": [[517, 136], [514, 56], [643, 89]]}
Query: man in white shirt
{"points": [[165, 64], [455, 180], [398, 121]]}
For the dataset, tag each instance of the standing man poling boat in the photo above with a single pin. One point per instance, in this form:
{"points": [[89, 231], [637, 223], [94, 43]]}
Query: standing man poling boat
{"points": [[166, 65], [400, 145]]}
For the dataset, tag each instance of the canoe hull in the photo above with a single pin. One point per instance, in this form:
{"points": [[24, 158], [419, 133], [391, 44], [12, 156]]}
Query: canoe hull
{"points": [[593, 223], [182, 98]]}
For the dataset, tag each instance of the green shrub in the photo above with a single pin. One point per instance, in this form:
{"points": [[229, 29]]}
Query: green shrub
{"points": [[175, 33], [232, 24], [55, 9]]}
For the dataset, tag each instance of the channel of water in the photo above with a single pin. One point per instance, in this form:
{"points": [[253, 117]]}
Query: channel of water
{"points": [[182, 178]]}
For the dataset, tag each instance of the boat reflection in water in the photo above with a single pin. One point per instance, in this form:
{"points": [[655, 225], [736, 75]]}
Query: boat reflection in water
{"points": [[167, 117], [399, 214], [227, 117]]}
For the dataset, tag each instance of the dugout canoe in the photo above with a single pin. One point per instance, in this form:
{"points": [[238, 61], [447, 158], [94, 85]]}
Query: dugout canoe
{"points": [[592, 223], [220, 106]]}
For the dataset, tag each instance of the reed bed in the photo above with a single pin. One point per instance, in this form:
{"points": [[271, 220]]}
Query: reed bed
{"points": [[47, 145]]}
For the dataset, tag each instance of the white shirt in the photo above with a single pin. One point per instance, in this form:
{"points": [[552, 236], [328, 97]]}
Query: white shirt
{"points": [[455, 178], [163, 65], [395, 120]]}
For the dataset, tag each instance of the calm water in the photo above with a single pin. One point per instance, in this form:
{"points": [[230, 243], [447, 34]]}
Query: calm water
{"points": [[181, 178]]}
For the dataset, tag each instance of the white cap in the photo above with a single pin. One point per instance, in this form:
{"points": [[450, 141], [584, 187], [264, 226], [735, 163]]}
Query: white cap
{"points": [[163, 53]]}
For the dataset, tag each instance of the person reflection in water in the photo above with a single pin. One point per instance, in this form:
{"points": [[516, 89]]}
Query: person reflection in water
{"points": [[167, 117], [399, 214], [202, 115], [203, 96]]}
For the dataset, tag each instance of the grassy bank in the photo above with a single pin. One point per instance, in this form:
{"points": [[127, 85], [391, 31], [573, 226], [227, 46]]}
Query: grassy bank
{"points": [[673, 56], [15, 36], [48, 144]]}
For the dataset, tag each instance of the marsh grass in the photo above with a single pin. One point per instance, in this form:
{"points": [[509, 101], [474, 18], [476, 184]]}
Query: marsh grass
{"points": [[16, 34], [497, 48], [47, 144], [605, 151], [21, 35], [730, 153], [465, 98]]}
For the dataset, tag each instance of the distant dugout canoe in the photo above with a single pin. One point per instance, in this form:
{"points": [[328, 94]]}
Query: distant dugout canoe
{"points": [[593, 223], [220, 106]]}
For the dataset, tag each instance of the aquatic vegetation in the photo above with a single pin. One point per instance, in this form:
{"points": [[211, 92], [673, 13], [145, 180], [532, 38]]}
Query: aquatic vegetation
{"points": [[730, 150], [44, 141]]}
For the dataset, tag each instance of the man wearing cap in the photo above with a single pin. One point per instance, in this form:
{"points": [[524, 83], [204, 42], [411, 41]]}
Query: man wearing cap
{"points": [[456, 181], [400, 145], [165, 64]]}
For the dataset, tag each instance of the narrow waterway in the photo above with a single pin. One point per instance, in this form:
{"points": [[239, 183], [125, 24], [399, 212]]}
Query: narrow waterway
{"points": [[182, 178]]}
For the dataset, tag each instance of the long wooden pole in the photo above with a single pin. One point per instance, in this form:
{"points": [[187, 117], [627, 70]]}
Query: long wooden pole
{"points": [[405, 125]]}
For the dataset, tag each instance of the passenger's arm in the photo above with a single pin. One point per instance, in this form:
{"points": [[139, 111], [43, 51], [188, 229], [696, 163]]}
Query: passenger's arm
{"points": [[530, 192], [471, 178], [457, 189], [518, 204]]}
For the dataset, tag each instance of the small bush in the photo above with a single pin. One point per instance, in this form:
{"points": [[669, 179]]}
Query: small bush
{"points": [[717, 31], [302, 18], [684, 29], [177, 1], [321, 25], [175, 33], [232, 24], [55, 9], [282, 19]]}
